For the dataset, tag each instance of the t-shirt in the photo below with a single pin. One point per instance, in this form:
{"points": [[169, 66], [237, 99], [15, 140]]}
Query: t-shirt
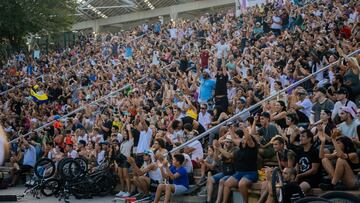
{"points": [[292, 192], [245, 158], [30, 156], [144, 141], [173, 32], [305, 161], [316, 109], [222, 50], [206, 88], [182, 179], [267, 133], [349, 130], [2, 149], [220, 86], [198, 152], [204, 56], [73, 154], [306, 105]]}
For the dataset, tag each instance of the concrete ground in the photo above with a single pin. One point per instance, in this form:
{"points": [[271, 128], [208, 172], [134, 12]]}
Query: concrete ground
{"points": [[30, 199]]}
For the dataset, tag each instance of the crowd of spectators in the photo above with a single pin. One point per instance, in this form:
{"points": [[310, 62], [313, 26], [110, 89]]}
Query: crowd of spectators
{"points": [[200, 73]]}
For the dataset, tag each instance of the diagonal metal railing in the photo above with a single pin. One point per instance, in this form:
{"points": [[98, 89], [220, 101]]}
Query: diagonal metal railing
{"points": [[111, 94], [255, 106]]}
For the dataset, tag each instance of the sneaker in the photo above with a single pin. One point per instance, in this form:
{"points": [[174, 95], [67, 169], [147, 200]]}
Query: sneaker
{"points": [[202, 193], [121, 193], [126, 194], [142, 196], [202, 180]]}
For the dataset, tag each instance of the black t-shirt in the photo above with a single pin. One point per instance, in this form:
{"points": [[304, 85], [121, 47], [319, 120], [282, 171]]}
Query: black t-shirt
{"points": [[220, 86], [107, 124], [188, 119], [305, 161], [292, 192], [245, 158]]}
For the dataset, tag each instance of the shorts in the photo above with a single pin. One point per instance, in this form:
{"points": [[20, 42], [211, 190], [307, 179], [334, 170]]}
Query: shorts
{"points": [[220, 176], [24, 169], [179, 190], [195, 164], [123, 164], [250, 175], [153, 185], [313, 182]]}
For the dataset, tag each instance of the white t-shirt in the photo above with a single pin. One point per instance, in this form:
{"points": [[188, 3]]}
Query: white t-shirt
{"points": [[222, 50], [204, 119], [125, 147], [198, 152], [144, 141], [349, 131], [73, 154], [85, 138], [307, 105], [2, 150], [188, 164], [176, 136], [100, 157], [173, 33]]}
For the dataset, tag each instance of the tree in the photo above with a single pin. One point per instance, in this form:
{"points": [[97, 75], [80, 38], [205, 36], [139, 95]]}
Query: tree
{"points": [[21, 17]]}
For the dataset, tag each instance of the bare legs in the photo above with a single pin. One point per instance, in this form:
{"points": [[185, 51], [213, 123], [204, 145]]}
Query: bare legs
{"points": [[342, 171], [168, 188]]}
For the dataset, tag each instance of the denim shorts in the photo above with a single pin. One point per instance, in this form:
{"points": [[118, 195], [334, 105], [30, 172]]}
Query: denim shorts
{"points": [[250, 175], [220, 176], [179, 189]]}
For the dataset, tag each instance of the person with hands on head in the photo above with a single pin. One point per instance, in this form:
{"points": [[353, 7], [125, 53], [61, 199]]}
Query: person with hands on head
{"points": [[148, 177], [244, 165], [177, 173], [347, 160]]}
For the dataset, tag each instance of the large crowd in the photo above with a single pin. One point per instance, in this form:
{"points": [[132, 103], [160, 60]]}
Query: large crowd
{"points": [[199, 73]]}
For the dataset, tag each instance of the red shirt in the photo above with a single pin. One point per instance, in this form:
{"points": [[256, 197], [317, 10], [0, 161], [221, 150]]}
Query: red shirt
{"points": [[345, 32], [204, 56]]}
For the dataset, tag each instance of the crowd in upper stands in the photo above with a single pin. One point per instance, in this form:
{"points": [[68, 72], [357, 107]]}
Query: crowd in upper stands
{"points": [[199, 73]]}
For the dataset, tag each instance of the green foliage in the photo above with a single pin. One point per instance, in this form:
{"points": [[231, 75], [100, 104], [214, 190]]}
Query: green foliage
{"points": [[20, 17]]}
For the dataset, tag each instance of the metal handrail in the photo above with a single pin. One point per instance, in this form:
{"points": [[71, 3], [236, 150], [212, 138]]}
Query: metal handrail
{"points": [[85, 106], [236, 116]]}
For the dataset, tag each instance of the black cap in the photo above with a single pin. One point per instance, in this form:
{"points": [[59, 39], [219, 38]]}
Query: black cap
{"points": [[321, 89], [265, 114], [342, 90]]}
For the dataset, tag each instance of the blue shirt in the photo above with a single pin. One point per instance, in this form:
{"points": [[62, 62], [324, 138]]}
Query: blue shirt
{"points": [[30, 156], [157, 27], [128, 52], [182, 179], [206, 88]]}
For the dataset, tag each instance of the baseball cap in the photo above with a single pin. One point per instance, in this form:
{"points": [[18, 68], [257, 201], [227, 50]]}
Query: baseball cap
{"points": [[348, 110], [228, 138]]}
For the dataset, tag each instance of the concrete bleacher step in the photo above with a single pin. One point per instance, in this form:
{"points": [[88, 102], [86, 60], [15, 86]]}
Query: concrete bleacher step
{"points": [[174, 199]]}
